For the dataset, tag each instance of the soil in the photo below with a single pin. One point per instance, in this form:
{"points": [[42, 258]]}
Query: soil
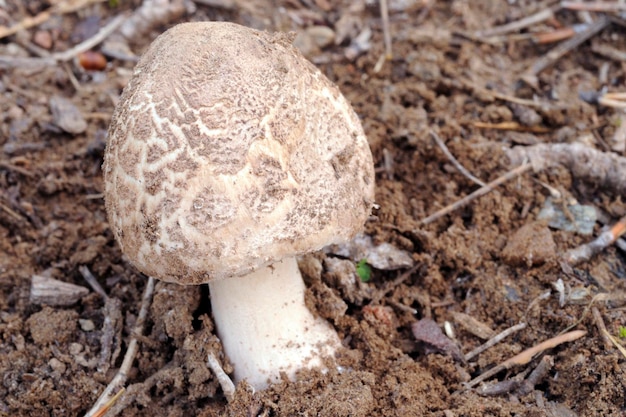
{"points": [[487, 266]]}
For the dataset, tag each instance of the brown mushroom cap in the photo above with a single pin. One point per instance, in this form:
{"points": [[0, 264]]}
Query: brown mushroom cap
{"points": [[229, 151]]}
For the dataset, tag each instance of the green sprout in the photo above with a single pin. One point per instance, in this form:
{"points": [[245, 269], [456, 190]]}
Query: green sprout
{"points": [[363, 270], [622, 332]]}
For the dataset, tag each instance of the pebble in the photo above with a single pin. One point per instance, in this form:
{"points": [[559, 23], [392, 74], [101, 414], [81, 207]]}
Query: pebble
{"points": [[57, 365], [67, 116], [86, 325]]}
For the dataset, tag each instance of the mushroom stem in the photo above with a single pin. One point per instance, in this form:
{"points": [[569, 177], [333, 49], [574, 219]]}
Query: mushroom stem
{"points": [[265, 326]]}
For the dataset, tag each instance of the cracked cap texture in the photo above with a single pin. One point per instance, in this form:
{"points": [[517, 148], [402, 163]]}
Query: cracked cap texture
{"points": [[229, 151]]}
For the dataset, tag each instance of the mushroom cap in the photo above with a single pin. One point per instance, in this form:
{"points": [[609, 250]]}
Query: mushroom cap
{"points": [[229, 151]]}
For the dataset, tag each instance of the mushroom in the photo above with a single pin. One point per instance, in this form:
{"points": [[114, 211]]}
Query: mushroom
{"points": [[229, 155]]}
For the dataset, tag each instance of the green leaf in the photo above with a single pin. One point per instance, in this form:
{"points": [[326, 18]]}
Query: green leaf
{"points": [[363, 270], [622, 332]]}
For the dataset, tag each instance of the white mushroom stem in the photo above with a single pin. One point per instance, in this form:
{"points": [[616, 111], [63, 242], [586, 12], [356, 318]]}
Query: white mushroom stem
{"points": [[265, 326]]}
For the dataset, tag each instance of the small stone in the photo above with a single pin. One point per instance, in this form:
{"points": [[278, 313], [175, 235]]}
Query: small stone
{"points": [[56, 365], [86, 325], [67, 116], [75, 348]]}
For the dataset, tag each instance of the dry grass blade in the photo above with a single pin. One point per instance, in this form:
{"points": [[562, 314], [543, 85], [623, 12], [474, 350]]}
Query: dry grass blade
{"points": [[117, 383], [557, 52], [494, 340], [478, 193], [615, 100], [29, 22], [512, 126], [538, 17], [595, 6], [526, 356], [617, 344], [454, 161], [228, 387], [585, 252]]}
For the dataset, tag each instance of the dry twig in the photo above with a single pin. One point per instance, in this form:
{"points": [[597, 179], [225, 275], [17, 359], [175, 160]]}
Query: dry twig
{"points": [[52, 59], [224, 380], [597, 318], [526, 356], [494, 340], [454, 161], [63, 7], [521, 387], [595, 6], [615, 100], [512, 126], [602, 169], [536, 376], [615, 342], [118, 382], [478, 193], [557, 52], [585, 252], [388, 55], [538, 17]]}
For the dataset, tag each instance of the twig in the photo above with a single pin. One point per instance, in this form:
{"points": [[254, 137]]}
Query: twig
{"points": [[602, 169], [12, 213], [52, 59], [60, 8], [512, 126], [494, 340], [597, 318], [615, 100], [616, 343], [91, 42], [482, 91], [388, 55], [224, 380], [596, 6], [384, 14], [559, 34], [120, 378], [518, 384], [608, 51], [18, 169], [526, 356], [545, 364], [403, 307], [557, 52], [454, 161], [102, 411], [531, 20], [478, 193], [92, 281], [585, 252]]}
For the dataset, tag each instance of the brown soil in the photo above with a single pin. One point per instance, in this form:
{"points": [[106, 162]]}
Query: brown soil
{"points": [[491, 260]]}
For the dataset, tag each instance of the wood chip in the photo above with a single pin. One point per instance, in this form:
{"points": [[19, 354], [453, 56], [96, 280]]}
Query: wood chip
{"points": [[52, 292], [472, 325]]}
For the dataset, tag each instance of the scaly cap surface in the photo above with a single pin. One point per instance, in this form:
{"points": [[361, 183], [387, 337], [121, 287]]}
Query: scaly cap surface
{"points": [[228, 151]]}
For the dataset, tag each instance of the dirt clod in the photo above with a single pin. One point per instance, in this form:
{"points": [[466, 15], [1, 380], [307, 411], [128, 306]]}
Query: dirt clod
{"points": [[531, 245]]}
